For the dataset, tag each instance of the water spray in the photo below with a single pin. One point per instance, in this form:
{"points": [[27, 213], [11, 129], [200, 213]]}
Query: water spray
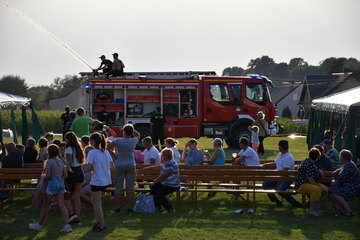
{"points": [[41, 28]]}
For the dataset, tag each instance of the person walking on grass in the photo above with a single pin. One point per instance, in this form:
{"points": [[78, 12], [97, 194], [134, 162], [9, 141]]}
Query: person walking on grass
{"points": [[74, 159], [100, 162], [55, 172]]}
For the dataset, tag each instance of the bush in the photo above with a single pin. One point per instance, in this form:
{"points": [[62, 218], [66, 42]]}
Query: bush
{"points": [[286, 113], [289, 127]]}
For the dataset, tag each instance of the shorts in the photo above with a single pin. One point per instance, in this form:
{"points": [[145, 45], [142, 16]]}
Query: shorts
{"points": [[129, 174], [55, 186], [76, 177], [98, 188]]}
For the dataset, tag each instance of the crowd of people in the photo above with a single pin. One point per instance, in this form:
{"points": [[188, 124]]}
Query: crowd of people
{"points": [[78, 170]]}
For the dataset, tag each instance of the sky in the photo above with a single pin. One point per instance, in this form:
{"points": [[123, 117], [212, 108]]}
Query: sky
{"points": [[171, 35]]}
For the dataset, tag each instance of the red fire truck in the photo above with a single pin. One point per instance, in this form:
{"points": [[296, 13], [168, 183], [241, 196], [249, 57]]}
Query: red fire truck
{"points": [[194, 104]]}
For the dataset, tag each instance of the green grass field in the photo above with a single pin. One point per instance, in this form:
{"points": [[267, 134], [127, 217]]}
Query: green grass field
{"points": [[215, 218]]}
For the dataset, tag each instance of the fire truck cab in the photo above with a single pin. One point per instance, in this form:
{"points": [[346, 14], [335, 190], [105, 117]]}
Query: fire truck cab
{"points": [[194, 104]]}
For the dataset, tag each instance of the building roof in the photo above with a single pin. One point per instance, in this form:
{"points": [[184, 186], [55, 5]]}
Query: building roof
{"points": [[320, 85], [279, 92]]}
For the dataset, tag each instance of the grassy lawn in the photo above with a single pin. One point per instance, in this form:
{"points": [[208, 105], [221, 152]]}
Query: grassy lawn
{"points": [[215, 218]]}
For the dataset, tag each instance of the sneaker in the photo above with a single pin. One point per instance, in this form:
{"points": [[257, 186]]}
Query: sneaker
{"points": [[100, 229], [74, 219], [96, 226], [251, 211], [66, 229], [36, 226]]}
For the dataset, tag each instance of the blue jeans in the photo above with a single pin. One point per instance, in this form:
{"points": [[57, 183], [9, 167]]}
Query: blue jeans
{"points": [[281, 186]]}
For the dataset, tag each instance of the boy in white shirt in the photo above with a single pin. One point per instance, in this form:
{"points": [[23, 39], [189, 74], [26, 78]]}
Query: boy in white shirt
{"points": [[247, 156]]}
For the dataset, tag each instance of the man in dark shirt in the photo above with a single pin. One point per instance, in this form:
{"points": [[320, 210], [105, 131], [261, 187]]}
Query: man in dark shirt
{"points": [[157, 122], [64, 119], [103, 115], [105, 65], [14, 158]]}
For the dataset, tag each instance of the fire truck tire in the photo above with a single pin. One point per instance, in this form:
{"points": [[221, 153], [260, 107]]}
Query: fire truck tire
{"points": [[240, 132]]}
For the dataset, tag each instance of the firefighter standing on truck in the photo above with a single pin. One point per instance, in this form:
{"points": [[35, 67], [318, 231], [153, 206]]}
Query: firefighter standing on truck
{"points": [[157, 122]]}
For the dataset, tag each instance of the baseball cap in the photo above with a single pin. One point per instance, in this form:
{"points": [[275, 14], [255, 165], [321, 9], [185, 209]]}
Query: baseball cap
{"points": [[327, 142], [102, 56]]}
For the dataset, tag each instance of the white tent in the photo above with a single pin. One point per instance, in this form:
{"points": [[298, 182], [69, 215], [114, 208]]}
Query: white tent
{"points": [[7, 100]]}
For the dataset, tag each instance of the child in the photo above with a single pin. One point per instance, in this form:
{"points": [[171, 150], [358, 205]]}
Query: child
{"points": [[85, 144], [43, 155], [30, 153], [55, 173], [254, 137], [49, 136], [100, 161]]}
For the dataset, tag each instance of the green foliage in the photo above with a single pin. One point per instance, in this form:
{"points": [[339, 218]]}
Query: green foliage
{"points": [[289, 127], [40, 101], [297, 67], [64, 86], [286, 113], [233, 71], [13, 85], [49, 120]]}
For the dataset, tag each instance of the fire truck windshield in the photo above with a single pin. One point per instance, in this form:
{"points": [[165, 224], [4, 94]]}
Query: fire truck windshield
{"points": [[256, 92]]}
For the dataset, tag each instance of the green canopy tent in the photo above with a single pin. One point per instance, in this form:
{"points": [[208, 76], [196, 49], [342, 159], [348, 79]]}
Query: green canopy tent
{"points": [[341, 114], [9, 101]]}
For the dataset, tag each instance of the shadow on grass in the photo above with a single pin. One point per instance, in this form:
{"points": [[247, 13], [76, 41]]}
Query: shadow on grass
{"points": [[215, 218]]}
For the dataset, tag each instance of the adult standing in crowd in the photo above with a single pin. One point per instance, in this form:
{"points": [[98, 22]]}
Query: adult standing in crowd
{"points": [[307, 182], [261, 124], [247, 156], [347, 184], [193, 156], [283, 162], [125, 166], [72, 116], [103, 115], [81, 125], [64, 119], [117, 67], [151, 154], [157, 123]]}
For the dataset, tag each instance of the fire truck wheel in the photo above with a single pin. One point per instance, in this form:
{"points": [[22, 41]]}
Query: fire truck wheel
{"points": [[239, 133]]}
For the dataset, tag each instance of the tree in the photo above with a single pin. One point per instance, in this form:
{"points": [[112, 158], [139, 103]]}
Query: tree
{"points": [[280, 70], [286, 113], [233, 71], [64, 86], [13, 85], [263, 66], [297, 68], [40, 101]]}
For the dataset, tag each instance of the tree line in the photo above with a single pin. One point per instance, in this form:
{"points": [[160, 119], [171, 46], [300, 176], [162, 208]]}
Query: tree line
{"points": [[40, 95], [296, 69]]}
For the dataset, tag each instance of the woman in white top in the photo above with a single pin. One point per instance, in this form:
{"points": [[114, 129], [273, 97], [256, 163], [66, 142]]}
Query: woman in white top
{"points": [[171, 143], [100, 162]]}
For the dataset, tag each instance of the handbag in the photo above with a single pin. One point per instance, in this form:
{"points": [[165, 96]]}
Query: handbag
{"points": [[266, 129], [144, 204]]}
